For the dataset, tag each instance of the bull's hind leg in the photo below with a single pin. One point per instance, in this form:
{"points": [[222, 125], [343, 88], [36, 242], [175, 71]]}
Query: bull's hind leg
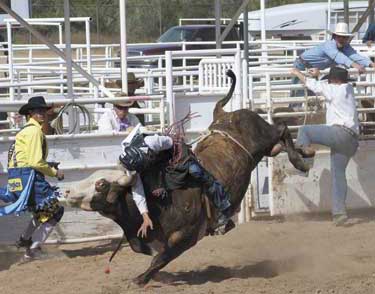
{"points": [[287, 138], [276, 149], [277, 135], [280, 146], [163, 258], [293, 155]]}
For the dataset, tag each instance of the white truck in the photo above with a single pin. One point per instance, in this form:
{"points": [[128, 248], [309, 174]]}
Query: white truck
{"points": [[21, 7], [305, 21]]}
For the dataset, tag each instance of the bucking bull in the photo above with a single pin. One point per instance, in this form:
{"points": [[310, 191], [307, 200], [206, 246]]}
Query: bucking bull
{"points": [[237, 142]]}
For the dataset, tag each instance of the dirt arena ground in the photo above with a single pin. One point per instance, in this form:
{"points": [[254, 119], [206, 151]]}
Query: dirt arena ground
{"points": [[292, 256]]}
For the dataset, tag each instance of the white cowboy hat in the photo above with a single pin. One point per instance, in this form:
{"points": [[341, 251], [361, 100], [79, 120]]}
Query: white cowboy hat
{"points": [[342, 29]]}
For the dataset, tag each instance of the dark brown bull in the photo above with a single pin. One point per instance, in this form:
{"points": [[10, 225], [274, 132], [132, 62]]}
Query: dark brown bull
{"points": [[239, 141]]}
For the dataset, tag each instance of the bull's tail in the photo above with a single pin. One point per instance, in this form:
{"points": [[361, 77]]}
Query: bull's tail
{"points": [[108, 269], [220, 104]]}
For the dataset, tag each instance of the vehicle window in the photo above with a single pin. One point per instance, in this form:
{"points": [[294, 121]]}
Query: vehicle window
{"points": [[180, 34], [176, 35], [232, 35], [205, 35], [209, 34]]}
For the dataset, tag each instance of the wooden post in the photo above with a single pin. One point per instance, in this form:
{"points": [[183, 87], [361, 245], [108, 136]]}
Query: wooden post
{"points": [[346, 11], [218, 23], [371, 15]]}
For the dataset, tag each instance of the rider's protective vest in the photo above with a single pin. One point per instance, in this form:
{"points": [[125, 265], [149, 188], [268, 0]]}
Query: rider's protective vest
{"points": [[137, 156]]}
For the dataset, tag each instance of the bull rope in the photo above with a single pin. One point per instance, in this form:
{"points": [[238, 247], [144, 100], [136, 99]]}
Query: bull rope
{"points": [[307, 108], [224, 134], [177, 132]]}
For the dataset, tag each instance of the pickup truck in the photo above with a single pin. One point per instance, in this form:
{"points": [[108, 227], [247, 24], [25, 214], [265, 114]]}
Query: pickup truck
{"points": [[185, 33]]}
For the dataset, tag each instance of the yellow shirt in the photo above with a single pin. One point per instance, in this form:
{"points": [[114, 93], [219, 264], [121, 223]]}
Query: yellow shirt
{"points": [[29, 149]]}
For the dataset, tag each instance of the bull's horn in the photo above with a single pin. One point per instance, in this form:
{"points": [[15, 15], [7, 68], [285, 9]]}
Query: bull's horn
{"points": [[126, 180]]}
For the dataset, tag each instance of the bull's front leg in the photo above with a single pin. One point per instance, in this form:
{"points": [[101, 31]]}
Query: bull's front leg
{"points": [[161, 260]]}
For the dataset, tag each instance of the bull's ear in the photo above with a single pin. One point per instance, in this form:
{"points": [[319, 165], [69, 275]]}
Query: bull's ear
{"points": [[114, 192]]}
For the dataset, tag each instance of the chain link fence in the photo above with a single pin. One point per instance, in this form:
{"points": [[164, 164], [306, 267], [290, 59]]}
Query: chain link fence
{"points": [[146, 19]]}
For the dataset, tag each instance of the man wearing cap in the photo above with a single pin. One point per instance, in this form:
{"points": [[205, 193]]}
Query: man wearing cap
{"points": [[340, 132], [336, 51], [27, 168], [118, 118], [369, 36]]}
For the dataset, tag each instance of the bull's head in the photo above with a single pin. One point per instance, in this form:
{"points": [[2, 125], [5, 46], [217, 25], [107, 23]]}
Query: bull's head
{"points": [[99, 192]]}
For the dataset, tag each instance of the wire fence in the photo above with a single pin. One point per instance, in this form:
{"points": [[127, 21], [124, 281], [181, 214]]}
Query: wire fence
{"points": [[146, 20]]}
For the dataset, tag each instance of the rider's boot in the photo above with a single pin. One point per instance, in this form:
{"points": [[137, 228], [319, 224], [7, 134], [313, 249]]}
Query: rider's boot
{"points": [[224, 224], [23, 243], [217, 194], [221, 200]]}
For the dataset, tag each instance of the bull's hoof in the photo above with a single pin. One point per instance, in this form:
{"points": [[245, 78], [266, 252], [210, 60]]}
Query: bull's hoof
{"points": [[140, 281], [306, 152], [298, 162], [304, 167], [276, 149]]}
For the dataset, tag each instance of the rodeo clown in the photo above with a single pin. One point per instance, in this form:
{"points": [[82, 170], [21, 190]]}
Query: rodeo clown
{"points": [[27, 187], [141, 152]]}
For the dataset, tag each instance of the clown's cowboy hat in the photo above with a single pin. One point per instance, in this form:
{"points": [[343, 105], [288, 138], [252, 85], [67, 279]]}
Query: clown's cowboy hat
{"points": [[36, 102]]}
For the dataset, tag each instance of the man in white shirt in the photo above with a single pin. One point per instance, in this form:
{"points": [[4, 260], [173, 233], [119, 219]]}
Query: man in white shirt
{"points": [[118, 118], [340, 132]]}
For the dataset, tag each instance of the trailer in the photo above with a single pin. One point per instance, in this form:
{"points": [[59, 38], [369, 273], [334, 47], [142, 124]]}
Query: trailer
{"points": [[306, 21], [21, 7]]}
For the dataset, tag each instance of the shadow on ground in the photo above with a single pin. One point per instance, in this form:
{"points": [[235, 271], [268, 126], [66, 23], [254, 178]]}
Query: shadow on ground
{"points": [[92, 250], [356, 217], [9, 256], [216, 274]]}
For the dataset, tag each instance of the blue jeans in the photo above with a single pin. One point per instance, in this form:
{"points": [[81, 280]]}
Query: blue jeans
{"points": [[213, 188], [343, 146]]}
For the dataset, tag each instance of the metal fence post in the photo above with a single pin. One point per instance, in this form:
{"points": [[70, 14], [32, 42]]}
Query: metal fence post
{"points": [[237, 70], [245, 83], [169, 86], [10, 60], [88, 51], [124, 53]]}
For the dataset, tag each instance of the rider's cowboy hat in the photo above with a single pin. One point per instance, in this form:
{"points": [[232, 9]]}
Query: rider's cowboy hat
{"points": [[123, 103], [36, 102], [342, 29], [338, 73]]}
